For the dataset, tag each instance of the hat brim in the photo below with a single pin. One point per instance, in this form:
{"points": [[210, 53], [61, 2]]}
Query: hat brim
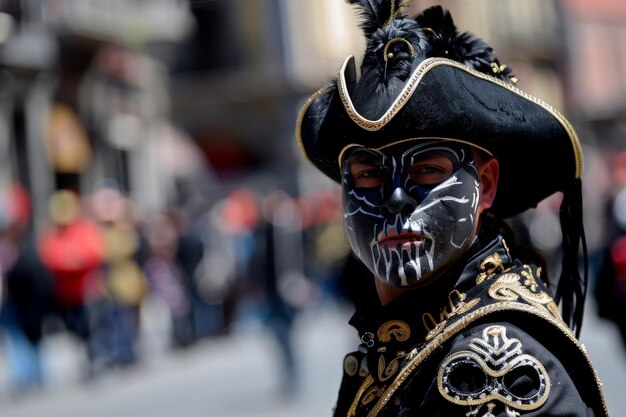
{"points": [[538, 150]]}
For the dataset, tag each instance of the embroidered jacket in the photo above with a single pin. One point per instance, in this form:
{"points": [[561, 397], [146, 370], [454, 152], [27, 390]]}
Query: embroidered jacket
{"points": [[493, 345]]}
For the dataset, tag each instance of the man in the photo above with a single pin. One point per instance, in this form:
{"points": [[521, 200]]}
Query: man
{"points": [[434, 146]]}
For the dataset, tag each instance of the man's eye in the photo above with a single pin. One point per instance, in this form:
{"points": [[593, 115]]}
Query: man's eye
{"points": [[431, 173], [427, 171], [368, 176]]}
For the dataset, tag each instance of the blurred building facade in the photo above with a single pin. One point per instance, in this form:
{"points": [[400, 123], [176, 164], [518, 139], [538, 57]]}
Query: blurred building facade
{"points": [[82, 97], [149, 92]]}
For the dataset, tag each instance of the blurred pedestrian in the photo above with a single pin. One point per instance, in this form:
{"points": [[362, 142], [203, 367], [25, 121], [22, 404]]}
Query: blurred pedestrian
{"points": [[434, 147], [126, 285], [73, 248], [166, 277], [189, 253], [275, 251], [27, 297], [610, 289]]}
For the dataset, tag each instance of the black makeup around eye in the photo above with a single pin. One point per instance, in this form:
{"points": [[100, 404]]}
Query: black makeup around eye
{"points": [[366, 169], [430, 170], [433, 155], [365, 156], [426, 165], [453, 151]]}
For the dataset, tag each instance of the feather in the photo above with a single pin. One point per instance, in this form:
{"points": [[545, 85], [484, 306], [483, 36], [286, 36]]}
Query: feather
{"points": [[376, 14], [445, 41], [400, 67], [395, 11]]}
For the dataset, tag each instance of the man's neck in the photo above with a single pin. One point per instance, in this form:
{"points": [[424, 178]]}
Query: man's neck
{"points": [[387, 293]]}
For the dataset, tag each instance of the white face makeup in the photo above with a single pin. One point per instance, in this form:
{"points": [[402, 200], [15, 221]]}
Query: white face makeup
{"points": [[410, 210]]}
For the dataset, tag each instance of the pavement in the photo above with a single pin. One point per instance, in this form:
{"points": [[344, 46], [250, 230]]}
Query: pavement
{"points": [[239, 375]]}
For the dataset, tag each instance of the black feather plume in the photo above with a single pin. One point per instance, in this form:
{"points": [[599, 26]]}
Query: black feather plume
{"points": [[445, 41], [376, 14]]}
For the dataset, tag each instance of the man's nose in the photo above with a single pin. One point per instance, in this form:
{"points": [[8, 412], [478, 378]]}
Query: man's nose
{"points": [[399, 202]]}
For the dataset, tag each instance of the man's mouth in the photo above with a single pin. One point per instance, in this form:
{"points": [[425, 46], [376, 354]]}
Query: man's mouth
{"points": [[394, 239]]}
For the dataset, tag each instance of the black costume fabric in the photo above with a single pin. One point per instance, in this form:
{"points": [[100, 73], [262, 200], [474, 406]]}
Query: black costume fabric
{"points": [[488, 342]]}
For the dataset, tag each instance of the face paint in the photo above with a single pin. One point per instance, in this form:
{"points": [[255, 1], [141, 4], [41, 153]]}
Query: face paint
{"points": [[410, 210]]}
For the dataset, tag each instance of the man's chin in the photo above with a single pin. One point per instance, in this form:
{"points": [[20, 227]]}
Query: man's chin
{"points": [[408, 280]]}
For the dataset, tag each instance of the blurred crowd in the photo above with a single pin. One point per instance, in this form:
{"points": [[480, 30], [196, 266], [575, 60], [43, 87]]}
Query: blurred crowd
{"points": [[255, 253], [97, 261], [608, 261]]}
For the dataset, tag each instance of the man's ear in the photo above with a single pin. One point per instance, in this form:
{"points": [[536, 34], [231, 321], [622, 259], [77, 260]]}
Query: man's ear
{"points": [[488, 173]]}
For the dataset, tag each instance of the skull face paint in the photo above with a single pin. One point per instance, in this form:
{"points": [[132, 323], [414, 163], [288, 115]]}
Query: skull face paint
{"points": [[410, 210]]}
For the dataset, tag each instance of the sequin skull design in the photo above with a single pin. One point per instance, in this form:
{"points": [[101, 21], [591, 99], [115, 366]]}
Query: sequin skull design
{"points": [[410, 210]]}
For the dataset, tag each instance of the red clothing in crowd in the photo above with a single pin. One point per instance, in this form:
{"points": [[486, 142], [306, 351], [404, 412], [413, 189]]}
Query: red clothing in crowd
{"points": [[75, 254]]}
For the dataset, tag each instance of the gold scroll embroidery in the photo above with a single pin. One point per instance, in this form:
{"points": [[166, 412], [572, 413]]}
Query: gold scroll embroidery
{"points": [[456, 306], [508, 287]]}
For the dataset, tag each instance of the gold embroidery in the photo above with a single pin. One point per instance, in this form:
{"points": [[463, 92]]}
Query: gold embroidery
{"points": [[369, 392], [456, 306], [396, 328], [464, 322], [530, 280], [506, 248], [491, 265], [459, 306], [509, 288], [365, 385], [373, 393], [409, 356], [387, 371], [432, 327], [496, 355]]}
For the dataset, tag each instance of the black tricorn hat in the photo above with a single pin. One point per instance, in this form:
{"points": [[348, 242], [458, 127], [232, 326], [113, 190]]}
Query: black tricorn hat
{"points": [[421, 79]]}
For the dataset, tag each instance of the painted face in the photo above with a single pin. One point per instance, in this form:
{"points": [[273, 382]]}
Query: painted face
{"points": [[410, 209]]}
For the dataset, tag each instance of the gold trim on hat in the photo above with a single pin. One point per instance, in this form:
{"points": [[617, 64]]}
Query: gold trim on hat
{"points": [[413, 82], [301, 113]]}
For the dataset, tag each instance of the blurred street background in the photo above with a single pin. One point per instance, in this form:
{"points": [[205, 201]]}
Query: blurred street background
{"points": [[164, 248]]}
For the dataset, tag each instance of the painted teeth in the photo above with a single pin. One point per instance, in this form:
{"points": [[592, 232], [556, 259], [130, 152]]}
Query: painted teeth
{"points": [[403, 259]]}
